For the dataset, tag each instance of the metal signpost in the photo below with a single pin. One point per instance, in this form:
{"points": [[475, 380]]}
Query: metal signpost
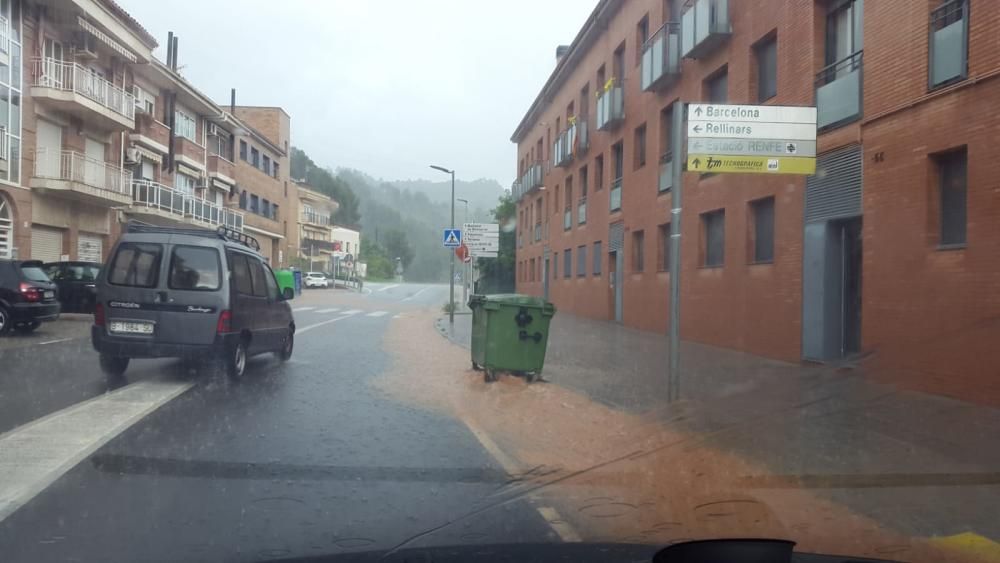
{"points": [[730, 139], [482, 239]]}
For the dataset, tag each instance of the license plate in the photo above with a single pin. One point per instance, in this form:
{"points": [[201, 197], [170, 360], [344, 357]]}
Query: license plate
{"points": [[50, 295], [131, 327]]}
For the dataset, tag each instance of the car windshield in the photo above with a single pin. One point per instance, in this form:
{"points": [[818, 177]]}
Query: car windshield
{"points": [[529, 280]]}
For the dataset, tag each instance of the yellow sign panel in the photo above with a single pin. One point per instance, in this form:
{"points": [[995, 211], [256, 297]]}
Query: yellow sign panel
{"points": [[713, 163]]}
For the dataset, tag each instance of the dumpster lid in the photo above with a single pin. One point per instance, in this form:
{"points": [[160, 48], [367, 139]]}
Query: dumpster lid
{"points": [[517, 299]]}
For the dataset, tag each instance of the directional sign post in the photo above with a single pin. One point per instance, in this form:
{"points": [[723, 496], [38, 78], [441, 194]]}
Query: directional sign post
{"points": [[482, 239], [452, 238]]}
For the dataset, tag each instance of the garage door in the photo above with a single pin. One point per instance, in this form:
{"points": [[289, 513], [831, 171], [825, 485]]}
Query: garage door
{"points": [[88, 248], [46, 244]]}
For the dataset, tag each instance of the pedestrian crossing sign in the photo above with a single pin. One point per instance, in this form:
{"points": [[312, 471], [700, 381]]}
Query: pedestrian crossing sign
{"points": [[452, 238]]}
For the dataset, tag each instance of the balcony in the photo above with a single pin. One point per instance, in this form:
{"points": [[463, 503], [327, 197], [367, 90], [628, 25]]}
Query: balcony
{"points": [[189, 152], [611, 105], [81, 177], [4, 41], [311, 246], [317, 219], [949, 43], [838, 92], [704, 26], [666, 171], [562, 149], [530, 180], [154, 200], [538, 232], [616, 195], [151, 133], [79, 91], [582, 135], [568, 218], [581, 211], [661, 58], [221, 168]]}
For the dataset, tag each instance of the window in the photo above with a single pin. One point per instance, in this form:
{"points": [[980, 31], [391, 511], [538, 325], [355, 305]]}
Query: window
{"points": [[257, 276], [618, 151], [265, 208], [597, 258], [254, 204], [274, 211], [274, 171], [184, 183], [618, 63], [568, 263], [243, 199], [254, 157], [531, 269], [136, 265], [641, 36], [243, 150], [581, 261], [949, 38], [555, 265], [952, 169], [714, 231], [267, 165], [766, 54], [844, 31], [599, 172], [240, 269], [218, 145], [762, 230], [185, 126], [663, 254], [601, 79], [638, 251], [194, 268], [717, 87], [640, 147]]}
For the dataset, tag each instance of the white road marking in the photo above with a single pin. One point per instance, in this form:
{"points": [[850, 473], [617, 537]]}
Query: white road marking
{"points": [[55, 341], [34, 455], [333, 310], [352, 312], [377, 313], [399, 316], [298, 309], [559, 525], [317, 325], [389, 287], [416, 294]]}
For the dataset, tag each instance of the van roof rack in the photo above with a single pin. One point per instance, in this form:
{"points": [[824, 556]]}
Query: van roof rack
{"points": [[223, 232]]}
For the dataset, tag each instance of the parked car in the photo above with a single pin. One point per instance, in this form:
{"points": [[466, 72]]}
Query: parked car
{"points": [[316, 279], [189, 293], [77, 283], [27, 296]]}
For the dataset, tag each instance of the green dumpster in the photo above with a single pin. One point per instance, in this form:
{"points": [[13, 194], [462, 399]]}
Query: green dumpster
{"points": [[510, 333], [286, 279]]}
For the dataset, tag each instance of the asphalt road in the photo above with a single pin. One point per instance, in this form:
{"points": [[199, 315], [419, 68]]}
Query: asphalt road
{"points": [[301, 458]]}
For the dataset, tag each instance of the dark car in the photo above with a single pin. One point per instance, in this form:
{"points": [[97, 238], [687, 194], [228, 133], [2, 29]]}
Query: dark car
{"points": [[27, 296], [192, 294], [77, 284]]}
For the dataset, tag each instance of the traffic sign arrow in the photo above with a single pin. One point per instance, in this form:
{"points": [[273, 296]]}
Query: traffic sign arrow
{"points": [[696, 162], [697, 128], [697, 110]]}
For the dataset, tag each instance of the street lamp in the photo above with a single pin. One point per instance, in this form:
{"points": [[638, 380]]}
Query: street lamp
{"points": [[466, 275], [451, 279]]}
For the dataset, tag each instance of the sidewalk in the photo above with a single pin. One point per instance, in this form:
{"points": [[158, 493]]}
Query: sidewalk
{"points": [[885, 452]]}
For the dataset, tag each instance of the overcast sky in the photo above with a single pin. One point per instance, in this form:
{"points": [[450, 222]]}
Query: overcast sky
{"points": [[384, 86]]}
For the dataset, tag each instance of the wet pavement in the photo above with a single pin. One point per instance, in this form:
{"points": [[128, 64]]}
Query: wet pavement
{"points": [[302, 458]]}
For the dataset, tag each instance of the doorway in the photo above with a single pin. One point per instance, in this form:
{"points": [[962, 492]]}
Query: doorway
{"points": [[831, 289], [615, 268], [545, 279], [849, 231]]}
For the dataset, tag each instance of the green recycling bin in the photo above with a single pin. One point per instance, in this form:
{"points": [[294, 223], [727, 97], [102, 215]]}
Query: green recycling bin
{"points": [[286, 279], [510, 333]]}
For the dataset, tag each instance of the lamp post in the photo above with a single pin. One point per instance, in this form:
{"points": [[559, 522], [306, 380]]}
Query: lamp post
{"points": [[451, 278], [466, 267]]}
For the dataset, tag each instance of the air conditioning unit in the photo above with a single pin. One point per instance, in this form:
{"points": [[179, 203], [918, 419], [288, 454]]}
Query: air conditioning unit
{"points": [[132, 156], [85, 46]]}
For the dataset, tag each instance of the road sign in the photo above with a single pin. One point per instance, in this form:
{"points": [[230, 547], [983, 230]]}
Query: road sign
{"points": [[483, 239], [751, 114], [452, 238], [764, 147], [740, 130], [751, 164], [462, 252]]}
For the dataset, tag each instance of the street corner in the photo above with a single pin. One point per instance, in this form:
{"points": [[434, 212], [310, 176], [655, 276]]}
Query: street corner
{"points": [[68, 327]]}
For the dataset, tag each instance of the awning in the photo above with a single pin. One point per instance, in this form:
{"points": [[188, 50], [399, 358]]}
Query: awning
{"points": [[185, 169], [221, 185], [261, 231], [103, 37], [151, 155]]}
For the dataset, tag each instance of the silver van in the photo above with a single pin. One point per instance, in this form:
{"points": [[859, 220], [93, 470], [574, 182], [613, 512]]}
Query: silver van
{"points": [[189, 293]]}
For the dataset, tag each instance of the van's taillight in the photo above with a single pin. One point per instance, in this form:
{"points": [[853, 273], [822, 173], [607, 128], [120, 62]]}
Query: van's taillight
{"points": [[99, 314], [225, 323], [30, 292]]}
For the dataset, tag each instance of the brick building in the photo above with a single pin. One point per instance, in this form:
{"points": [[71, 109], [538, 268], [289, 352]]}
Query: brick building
{"points": [[95, 131], [889, 251], [315, 225]]}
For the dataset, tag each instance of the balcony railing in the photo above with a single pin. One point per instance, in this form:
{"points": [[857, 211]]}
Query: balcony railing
{"points": [[666, 171], [839, 92], [562, 149], [581, 211], [567, 218], [616, 195], [531, 179], [582, 135], [72, 166], [315, 218], [704, 26], [949, 43], [4, 144], [185, 206], [538, 232], [661, 58], [72, 77], [4, 35], [610, 105]]}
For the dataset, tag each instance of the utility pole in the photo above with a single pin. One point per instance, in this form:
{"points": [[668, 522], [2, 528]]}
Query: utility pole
{"points": [[677, 145], [451, 278]]}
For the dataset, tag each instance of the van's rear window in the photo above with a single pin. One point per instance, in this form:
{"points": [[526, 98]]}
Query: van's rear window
{"points": [[195, 268], [136, 264], [34, 273]]}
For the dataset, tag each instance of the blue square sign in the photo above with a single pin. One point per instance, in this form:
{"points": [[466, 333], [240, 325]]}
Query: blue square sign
{"points": [[452, 238]]}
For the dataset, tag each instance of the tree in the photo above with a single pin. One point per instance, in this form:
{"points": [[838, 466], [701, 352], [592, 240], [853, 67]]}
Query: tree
{"points": [[398, 247], [380, 267]]}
